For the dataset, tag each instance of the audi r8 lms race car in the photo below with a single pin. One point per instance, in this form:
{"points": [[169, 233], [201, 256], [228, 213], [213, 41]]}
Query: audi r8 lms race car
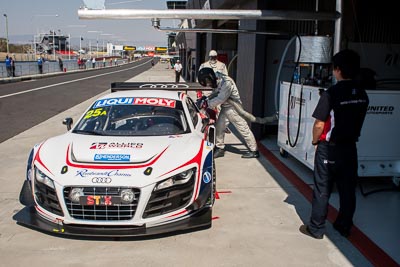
{"points": [[139, 161]]}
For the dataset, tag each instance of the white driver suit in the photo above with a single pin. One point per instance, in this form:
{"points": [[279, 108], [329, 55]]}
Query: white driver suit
{"points": [[217, 66], [227, 89]]}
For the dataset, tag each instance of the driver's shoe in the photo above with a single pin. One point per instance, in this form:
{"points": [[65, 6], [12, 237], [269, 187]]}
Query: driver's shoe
{"points": [[219, 153], [251, 154]]}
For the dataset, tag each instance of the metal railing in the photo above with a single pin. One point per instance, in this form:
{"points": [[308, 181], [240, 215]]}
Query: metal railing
{"points": [[26, 68]]}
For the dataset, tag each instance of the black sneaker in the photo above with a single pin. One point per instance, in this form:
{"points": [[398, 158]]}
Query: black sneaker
{"points": [[304, 230], [343, 231], [218, 153], [251, 154]]}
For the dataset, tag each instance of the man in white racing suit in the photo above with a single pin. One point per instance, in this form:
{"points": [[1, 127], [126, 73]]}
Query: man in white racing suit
{"points": [[214, 63], [217, 66], [226, 89]]}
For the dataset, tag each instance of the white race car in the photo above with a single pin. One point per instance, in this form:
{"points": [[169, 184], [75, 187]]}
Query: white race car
{"points": [[138, 162]]}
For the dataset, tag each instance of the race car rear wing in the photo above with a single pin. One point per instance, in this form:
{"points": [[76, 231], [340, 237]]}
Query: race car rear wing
{"points": [[122, 86]]}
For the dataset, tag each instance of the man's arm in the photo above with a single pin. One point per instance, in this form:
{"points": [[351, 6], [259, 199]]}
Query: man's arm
{"points": [[223, 95], [318, 128]]}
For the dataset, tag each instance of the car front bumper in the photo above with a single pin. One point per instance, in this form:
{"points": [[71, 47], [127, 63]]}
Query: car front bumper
{"points": [[28, 217]]}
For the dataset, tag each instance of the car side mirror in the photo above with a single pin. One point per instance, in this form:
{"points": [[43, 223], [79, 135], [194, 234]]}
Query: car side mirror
{"points": [[68, 122]]}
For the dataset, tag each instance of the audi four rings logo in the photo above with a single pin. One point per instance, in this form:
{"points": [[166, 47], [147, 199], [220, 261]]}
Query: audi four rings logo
{"points": [[101, 180], [169, 85]]}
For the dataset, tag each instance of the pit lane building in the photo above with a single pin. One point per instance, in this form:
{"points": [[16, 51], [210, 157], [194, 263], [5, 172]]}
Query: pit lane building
{"points": [[253, 49]]}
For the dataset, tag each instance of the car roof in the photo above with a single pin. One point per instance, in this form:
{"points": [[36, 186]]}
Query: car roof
{"points": [[169, 94]]}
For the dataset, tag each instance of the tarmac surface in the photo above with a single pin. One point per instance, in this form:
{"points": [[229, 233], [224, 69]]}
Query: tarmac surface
{"points": [[259, 208]]}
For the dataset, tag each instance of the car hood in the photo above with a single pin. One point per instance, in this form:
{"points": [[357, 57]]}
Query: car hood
{"points": [[132, 155]]}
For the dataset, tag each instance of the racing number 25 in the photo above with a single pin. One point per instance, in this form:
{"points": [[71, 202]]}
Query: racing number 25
{"points": [[95, 113]]}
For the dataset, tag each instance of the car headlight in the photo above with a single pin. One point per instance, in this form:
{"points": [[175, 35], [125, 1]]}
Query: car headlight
{"points": [[43, 178], [177, 179]]}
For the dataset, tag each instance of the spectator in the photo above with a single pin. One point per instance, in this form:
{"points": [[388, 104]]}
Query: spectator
{"points": [[12, 66], [40, 64], [8, 66], [178, 70], [61, 64]]}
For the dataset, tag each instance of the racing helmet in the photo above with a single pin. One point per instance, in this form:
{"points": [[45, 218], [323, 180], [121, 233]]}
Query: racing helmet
{"points": [[207, 76]]}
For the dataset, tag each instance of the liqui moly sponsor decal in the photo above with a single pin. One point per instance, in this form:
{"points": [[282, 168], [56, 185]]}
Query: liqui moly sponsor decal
{"points": [[161, 102], [114, 173], [105, 145], [113, 102], [112, 157]]}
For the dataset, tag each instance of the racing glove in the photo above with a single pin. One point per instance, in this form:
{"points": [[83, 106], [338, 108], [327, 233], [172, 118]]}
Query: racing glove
{"points": [[203, 102]]}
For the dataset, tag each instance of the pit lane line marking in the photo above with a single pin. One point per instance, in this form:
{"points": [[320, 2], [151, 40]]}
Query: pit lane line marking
{"points": [[367, 247], [77, 80], [221, 192], [217, 197]]}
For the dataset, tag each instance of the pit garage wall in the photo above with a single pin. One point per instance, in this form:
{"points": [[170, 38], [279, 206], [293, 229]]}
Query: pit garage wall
{"points": [[251, 66]]}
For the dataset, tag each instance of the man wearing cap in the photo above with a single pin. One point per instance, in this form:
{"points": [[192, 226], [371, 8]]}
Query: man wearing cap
{"points": [[214, 63], [178, 70]]}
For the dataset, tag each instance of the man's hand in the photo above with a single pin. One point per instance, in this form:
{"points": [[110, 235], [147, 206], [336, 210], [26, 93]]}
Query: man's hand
{"points": [[203, 102]]}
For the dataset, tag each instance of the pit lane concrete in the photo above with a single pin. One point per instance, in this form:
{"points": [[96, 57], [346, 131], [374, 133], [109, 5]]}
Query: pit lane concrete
{"points": [[256, 217]]}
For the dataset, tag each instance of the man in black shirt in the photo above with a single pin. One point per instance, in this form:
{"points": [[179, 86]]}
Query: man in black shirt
{"points": [[339, 117]]}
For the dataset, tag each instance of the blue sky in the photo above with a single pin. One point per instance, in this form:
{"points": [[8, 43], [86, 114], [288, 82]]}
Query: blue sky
{"points": [[27, 17]]}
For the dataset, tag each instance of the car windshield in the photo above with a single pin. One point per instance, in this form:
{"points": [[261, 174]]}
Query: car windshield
{"points": [[128, 116]]}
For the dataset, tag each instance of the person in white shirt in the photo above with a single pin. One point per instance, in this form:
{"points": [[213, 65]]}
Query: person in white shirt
{"points": [[178, 70]]}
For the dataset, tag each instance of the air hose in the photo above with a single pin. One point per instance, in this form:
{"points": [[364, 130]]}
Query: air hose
{"points": [[288, 102], [250, 117]]}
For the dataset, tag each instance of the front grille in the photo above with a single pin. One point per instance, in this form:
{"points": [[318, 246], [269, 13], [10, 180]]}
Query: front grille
{"points": [[116, 212], [170, 199], [47, 198]]}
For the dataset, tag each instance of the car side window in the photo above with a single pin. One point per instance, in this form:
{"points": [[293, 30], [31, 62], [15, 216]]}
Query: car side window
{"points": [[193, 111]]}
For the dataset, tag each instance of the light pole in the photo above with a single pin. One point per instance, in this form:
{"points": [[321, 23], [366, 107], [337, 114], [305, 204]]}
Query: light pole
{"points": [[105, 34], [8, 49], [54, 48], [80, 36], [97, 39]]}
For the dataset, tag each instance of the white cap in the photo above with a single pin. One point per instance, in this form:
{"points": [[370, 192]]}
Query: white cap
{"points": [[212, 53]]}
